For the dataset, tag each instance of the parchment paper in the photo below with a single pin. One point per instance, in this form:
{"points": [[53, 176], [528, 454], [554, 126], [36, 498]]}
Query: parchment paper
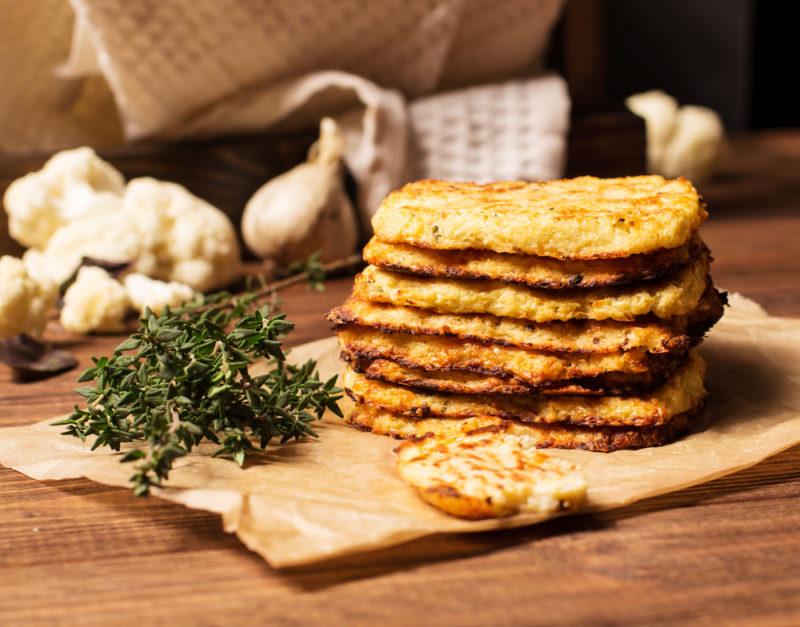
{"points": [[340, 494]]}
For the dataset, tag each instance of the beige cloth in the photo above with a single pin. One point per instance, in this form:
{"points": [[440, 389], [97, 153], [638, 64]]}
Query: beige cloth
{"points": [[188, 68]]}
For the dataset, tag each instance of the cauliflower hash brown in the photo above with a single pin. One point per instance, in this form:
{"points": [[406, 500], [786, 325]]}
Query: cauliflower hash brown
{"points": [[682, 391], [542, 272], [466, 382], [485, 475], [535, 369], [600, 439], [675, 296], [581, 218], [574, 336]]}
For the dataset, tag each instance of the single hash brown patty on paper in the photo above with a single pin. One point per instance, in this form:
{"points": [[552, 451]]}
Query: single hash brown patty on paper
{"points": [[486, 475]]}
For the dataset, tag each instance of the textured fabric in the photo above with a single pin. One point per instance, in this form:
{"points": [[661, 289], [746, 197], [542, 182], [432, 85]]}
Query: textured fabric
{"points": [[189, 68], [513, 130], [38, 110]]}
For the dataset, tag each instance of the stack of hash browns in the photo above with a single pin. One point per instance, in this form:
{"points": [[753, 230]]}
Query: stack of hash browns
{"points": [[563, 312]]}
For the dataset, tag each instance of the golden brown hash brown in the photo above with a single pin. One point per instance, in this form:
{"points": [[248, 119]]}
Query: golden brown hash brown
{"points": [[574, 336], [486, 475], [681, 392], [535, 368], [460, 382], [541, 272], [675, 296], [600, 439], [581, 218], [451, 382]]}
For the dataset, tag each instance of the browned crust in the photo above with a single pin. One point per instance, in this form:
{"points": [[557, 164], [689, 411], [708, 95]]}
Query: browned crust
{"points": [[454, 382], [676, 334], [538, 369], [598, 439], [476, 381], [682, 390], [536, 272]]}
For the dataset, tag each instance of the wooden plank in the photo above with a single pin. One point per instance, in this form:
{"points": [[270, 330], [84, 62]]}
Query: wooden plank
{"points": [[73, 552]]}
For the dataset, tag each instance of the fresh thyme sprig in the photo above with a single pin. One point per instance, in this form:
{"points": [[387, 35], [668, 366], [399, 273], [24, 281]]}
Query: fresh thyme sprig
{"points": [[183, 378], [313, 269]]}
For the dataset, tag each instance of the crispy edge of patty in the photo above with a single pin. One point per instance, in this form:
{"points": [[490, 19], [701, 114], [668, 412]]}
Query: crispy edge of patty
{"points": [[683, 390], [574, 336], [674, 296], [584, 218], [465, 382], [433, 352], [537, 272], [600, 439]]}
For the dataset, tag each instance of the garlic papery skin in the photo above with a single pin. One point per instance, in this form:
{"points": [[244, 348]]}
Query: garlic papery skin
{"points": [[306, 209]]}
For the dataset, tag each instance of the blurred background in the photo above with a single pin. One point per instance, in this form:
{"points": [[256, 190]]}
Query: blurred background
{"points": [[222, 96]]}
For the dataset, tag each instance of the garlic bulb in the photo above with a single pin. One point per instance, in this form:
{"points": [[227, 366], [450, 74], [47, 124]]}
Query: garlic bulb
{"points": [[306, 209]]}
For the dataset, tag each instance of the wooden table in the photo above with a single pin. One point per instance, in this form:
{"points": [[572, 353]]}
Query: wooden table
{"points": [[727, 551]]}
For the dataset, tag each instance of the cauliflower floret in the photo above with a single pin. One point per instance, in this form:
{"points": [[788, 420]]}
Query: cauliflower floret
{"points": [[72, 184], [659, 111], [112, 237], [24, 302], [164, 231], [685, 141], [695, 147], [195, 244], [94, 302], [145, 292]]}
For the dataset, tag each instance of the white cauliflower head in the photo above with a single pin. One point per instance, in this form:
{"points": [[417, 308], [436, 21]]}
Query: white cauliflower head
{"points": [[111, 236], [164, 231], [190, 241], [94, 302], [685, 141], [24, 302], [72, 184], [659, 111], [145, 292], [696, 145]]}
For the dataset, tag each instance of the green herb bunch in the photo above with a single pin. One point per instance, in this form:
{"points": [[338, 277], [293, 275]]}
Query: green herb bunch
{"points": [[183, 378]]}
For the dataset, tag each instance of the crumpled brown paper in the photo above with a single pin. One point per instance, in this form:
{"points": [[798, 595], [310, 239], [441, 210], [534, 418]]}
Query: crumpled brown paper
{"points": [[340, 494]]}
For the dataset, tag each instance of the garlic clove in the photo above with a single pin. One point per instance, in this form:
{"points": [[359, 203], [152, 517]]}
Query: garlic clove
{"points": [[306, 209]]}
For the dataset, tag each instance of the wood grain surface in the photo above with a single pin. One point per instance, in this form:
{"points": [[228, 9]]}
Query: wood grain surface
{"points": [[73, 552]]}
